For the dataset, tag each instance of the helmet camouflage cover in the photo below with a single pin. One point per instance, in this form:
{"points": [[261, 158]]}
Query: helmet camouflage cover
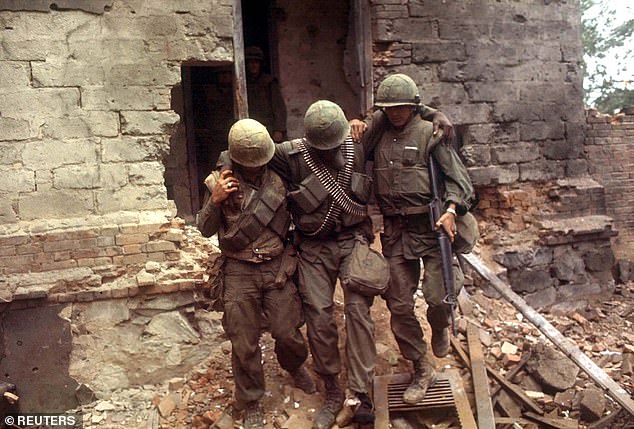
{"points": [[397, 90], [250, 144], [325, 125]]}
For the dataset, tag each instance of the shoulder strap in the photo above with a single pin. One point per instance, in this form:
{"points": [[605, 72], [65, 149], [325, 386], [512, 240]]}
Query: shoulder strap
{"points": [[262, 208], [340, 201]]}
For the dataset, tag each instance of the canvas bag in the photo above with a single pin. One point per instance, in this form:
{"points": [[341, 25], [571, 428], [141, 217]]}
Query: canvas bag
{"points": [[214, 287], [367, 271]]}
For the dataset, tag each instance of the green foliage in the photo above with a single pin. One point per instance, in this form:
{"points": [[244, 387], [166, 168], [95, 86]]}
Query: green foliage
{"points": [[614, 99], [607, 38]]}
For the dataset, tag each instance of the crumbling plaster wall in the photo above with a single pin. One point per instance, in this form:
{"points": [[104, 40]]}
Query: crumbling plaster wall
{"points": [[508, 73], [313, 37], [86, 117]]}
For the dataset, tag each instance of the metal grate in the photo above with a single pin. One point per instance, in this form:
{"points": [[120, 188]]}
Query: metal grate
{"points": [[447, 392], [438, 396]]}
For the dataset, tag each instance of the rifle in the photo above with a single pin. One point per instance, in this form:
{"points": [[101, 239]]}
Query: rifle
{"points": [[436, 210]]}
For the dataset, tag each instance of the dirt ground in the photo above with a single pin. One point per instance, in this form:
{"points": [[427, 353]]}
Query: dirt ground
{"points": [[602, 329]]}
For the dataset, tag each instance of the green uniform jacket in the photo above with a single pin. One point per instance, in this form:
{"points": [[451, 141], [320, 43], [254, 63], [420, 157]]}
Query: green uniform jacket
{"points": [[220, 219], [402, 180], [308, 201], [266, 104]]}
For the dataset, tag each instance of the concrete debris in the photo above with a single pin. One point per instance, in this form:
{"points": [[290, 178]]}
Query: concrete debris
{"points": [[552, 368], [200, 396], [592, 404]]}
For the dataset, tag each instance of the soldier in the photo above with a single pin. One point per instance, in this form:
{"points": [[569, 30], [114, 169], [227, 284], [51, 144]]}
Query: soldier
{"points": [[327, 224], [265, 98], [247, 208], [401, 142]]}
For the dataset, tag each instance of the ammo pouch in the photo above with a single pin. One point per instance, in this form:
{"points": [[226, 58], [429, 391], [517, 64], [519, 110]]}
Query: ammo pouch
{"points": [[367, 271], [467, 233], [215, 286], [288, 265], [267, 211], [310, 195], [361, 186]]}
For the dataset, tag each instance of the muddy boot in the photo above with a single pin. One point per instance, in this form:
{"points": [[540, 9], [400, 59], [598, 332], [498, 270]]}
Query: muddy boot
{"points": [[364, 415], [253, 416], [303, 380], [424, 377], [356, 409], [440, 342], [325, 418]]}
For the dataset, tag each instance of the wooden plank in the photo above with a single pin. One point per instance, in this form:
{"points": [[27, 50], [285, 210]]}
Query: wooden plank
{"points": [[381, 406], [484, 407], [516, 391], [463, 408], [616, 392], [363, 45], [509, 375], [553, 423], [240, 80]]}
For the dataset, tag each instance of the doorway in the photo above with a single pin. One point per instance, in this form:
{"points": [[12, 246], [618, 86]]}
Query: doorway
{"points": [[209, 113], [316, 50]]}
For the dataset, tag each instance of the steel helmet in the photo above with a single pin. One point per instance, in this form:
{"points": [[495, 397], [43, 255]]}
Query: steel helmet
{"points": [[254, 53], [325, 125], [250, 144], [397, 90]]}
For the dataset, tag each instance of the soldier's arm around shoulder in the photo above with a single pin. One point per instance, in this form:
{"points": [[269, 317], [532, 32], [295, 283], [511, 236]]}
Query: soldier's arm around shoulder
{"points": [[281, 161], [458, 186]]}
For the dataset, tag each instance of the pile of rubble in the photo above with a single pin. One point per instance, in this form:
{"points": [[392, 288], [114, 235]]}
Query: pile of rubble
{"points": [[517, 350], [555, 393]]}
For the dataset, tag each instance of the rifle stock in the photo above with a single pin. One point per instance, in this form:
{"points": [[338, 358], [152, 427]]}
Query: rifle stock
{"points": [[436, 210]]}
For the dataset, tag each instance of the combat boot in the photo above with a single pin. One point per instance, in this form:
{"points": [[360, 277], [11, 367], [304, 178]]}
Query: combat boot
{"points": [[303, 380], [364, 414], [357, 409], [325, 418], [424, 377], [253, 416], [440, 342]]}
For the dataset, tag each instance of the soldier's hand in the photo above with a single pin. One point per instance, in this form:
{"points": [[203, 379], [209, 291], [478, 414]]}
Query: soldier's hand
{"points": [[440, 120], [448, 223], [277, 136], [225, 186], [357, 128]]}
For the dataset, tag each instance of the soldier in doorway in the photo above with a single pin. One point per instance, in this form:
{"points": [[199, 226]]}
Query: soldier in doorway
{"points": [[246, 206], [266, 104], [326, 229], [401, 142]]}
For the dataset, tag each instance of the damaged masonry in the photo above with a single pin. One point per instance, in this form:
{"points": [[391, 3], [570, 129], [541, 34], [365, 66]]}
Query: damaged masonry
{"points": [[105, 139]]}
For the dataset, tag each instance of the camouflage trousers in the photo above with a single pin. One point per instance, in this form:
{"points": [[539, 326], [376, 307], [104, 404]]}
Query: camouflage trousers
{"points": [[320, 264], [250, 297], [405, 277]]}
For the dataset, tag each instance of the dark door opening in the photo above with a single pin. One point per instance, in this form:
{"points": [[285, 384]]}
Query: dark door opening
{"points": [[209, 112], [258, 31]]}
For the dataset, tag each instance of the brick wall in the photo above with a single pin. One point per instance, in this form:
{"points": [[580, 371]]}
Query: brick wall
{"points": [[609, 148], [507, 73], [86, 102], [120, 257], [90, 106]]}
